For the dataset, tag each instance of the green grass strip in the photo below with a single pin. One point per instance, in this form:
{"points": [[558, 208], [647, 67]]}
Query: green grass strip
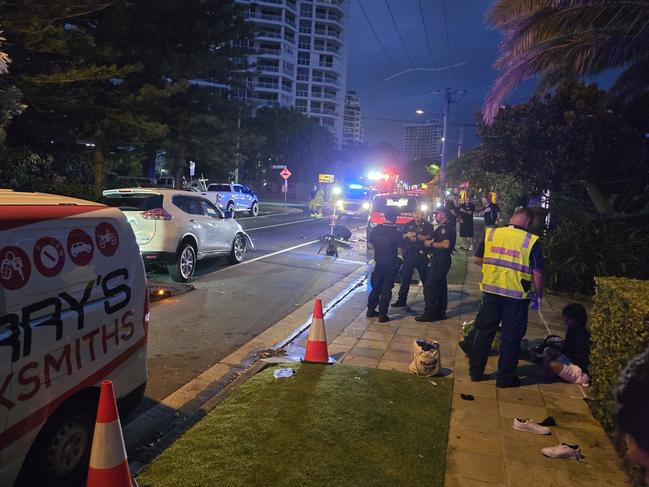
{"points": [[326, 426]]}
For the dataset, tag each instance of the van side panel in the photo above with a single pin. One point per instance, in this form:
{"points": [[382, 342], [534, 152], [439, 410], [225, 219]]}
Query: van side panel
{"points": [[74, 318]]}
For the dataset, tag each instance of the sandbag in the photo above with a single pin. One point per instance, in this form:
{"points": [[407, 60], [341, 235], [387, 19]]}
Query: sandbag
{"points": [[426, 358]]}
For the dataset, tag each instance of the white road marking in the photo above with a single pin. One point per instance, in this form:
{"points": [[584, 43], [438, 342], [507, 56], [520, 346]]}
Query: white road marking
{"points": [[279, 225], [278, 252]]}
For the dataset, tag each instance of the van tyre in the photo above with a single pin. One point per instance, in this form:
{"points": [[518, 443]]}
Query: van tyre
{"points": [[183, 269], [238, 249], [254, 209], [59, 457]]}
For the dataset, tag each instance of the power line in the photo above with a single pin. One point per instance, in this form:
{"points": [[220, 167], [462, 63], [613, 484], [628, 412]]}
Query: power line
{"points": [[423, 21], [378, 39], [448, 44], [387, 4]]}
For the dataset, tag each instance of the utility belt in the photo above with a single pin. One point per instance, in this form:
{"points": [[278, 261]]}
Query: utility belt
{"points": [[438, 258]]}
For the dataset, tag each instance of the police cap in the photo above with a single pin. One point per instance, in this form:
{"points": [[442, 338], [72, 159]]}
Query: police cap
{"points": [[440, 209]]}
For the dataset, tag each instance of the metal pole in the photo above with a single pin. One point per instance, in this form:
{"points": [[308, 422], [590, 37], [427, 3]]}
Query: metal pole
{"points": [[236, 156], [442, 176], [285, 191], [460, 142]]}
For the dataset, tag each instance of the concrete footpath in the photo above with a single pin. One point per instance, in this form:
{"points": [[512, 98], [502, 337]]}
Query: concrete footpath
{"points": [[483, 448]]}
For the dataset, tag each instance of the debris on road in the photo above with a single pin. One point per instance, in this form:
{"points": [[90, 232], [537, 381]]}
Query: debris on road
{"points": [[283, 373]]}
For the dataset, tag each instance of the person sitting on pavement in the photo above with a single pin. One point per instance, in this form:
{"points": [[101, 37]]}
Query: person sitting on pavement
{"points": [[632, 407], [435, 288], [511, 260], [416, 232], [386, 241], [570, 363]]}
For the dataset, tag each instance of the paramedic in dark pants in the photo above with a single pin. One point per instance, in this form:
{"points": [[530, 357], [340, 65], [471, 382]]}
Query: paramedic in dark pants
{"points": [[511, 261], [435, 289], [416, 232], [385, 240]]}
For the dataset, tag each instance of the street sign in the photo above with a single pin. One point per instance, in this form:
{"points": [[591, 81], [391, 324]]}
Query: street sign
{"points": [[192, 168], [325, 178], [285, 173], [279, 166]]}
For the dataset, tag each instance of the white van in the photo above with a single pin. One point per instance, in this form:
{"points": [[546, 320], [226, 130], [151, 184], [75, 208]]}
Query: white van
{"points": [[73, 311]]}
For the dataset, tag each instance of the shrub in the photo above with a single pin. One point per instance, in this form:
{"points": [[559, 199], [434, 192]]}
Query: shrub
{"points": [[582, 247], [619, 331]]}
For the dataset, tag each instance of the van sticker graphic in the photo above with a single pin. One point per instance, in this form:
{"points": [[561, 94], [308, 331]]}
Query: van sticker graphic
{"points": [[15, 268], [80, 247], [107, 239], [49, 256]]}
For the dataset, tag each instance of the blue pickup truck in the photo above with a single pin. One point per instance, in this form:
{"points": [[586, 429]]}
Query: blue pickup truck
{"points": [[232, 197]]}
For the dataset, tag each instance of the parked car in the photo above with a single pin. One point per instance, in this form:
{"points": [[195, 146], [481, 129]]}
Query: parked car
{"points": [[405, 205], [61, 291], [233, 197], [178, 228]]}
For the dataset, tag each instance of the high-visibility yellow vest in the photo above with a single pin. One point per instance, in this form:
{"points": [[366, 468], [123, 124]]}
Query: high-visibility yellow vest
{"points": [[506, 262]]}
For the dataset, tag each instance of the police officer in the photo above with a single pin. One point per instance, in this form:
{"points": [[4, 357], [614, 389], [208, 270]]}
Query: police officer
{"points": [[385, 240], [415, 233], [435, 288], [512, 261]]}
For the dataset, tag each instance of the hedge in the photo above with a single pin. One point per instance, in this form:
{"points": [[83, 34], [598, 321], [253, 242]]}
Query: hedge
{"points": [[619, 332]]}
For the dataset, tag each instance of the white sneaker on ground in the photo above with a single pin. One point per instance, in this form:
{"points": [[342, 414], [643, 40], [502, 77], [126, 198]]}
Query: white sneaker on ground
{"points": [[530, 426], [562, 451]]}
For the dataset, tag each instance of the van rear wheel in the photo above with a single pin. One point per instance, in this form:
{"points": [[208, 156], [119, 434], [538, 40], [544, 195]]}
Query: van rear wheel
{"points": [[59, 456]]}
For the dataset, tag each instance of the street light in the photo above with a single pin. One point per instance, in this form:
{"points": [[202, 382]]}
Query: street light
{"points": [[419, 111]]}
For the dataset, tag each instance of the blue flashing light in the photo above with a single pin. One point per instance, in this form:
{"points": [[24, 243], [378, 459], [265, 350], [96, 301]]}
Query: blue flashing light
{"points": [[355, 186]]}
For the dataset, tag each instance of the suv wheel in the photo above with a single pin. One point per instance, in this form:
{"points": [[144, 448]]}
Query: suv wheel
{"points": [[238, 249], [183, 269], [254, 209], [230, 208]]}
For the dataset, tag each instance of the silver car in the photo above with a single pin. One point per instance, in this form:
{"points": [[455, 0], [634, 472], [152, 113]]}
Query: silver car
{"points": [[178, 228]]}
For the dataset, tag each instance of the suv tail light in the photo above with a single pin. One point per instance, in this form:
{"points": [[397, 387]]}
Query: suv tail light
{"points": [[157, 214]]}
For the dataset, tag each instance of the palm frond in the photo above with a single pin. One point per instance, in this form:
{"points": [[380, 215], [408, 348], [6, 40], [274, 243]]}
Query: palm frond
{"points": [[504, 11]]}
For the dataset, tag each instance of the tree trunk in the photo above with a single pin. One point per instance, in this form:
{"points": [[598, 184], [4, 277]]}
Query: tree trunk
{"points": [[178, 167], [99, 163]]}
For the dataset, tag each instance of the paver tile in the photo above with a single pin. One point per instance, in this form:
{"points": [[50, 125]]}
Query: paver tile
{"points": [[397, 356], [458, 481], [511, 410], [485, 423], [343, 341], [353, 331], [373, 344], [526, 447], [485, 389], [475, 466], [518, 395], [372, 353], [463, 439], [399, 366], [360, 361], [525, 474]]}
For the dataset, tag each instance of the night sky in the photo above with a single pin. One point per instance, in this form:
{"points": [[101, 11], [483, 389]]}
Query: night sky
{"points": [[470, 41]]}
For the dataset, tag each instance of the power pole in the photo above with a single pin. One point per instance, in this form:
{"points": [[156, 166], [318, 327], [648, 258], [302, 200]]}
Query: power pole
{"points": [[450, 96], [460, 142]]}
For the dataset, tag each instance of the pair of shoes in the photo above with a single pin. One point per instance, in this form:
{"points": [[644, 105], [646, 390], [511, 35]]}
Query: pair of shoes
{"points": [[465, 347], [383, 318], [424, 318], [530, 426], [371, 313], [562, 451], [399, 304], [513, 382]]}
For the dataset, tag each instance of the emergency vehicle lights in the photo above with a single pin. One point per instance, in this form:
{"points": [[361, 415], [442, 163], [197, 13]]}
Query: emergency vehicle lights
{"points": [[336, 190], [355, 186], [376, 176], [340, 204], [424, 207], [366, 205]]}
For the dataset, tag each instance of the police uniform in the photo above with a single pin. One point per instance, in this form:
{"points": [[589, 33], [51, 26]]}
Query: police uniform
{"points": [[386, 240], [435, 287], [415, 257], [509, 257]]}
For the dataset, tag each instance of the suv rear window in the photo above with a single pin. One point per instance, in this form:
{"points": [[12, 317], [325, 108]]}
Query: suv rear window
{"points": [[396, 202], [133, 201], [219, 187]]}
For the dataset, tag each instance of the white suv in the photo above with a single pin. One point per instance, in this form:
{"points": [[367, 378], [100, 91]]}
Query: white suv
{"points": [[178, 228]]}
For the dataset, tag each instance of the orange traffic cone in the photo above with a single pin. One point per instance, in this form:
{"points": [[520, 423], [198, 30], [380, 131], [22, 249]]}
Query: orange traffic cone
{"points": [[108, 464], [316, 344]]}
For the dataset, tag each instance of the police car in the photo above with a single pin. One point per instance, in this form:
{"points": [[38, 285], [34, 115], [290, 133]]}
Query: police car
{"points": [[405, 204], [73, 312]]}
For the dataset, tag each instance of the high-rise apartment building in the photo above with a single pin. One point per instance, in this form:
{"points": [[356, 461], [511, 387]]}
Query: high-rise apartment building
{"points": [[352, 122], [299, 57], [422, 141]]}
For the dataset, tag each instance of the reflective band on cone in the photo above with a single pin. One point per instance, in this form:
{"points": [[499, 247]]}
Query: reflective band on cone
{"points": [[108, 463], [316, 344]]}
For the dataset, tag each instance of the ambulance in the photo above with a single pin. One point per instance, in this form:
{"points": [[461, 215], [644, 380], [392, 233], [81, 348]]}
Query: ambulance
{"points": [[73, 311]]}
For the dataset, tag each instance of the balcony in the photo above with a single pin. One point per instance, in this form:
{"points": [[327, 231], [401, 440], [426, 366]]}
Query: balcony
{"points": [[268, 68], [266, 86], [268, 52], [268, 35], [260, 16]]}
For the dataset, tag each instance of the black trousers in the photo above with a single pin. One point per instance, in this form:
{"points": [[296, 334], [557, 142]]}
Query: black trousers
{"points": [[382, 281], [513, 315], [436, 287], [413, 260]]}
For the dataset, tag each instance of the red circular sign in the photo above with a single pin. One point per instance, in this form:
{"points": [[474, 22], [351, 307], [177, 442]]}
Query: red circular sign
{"points": [[15, 268], [80, 247], [107, 239], [49, 256]]}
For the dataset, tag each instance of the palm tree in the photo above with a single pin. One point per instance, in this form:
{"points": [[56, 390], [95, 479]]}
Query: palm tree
{"points": [[4, 58], [567, 39]]}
